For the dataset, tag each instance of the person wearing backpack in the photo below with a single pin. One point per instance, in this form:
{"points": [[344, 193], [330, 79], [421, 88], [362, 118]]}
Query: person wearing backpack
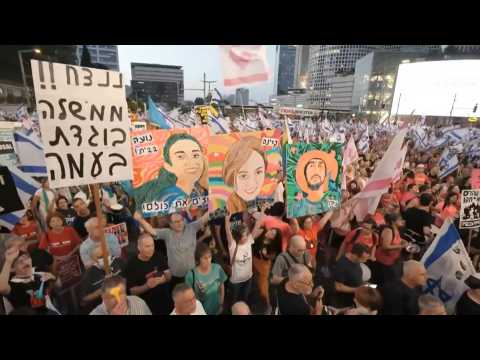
{"points": [[364, 235]]}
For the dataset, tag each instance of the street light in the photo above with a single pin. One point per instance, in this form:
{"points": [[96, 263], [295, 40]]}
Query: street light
{"points": [[20, 59]]}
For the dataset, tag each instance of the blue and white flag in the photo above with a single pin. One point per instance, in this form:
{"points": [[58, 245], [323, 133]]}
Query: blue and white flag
{"points": [[448, 266], [448, 162], [364, 142], [156, 116], [26, 188], [30, 154]]}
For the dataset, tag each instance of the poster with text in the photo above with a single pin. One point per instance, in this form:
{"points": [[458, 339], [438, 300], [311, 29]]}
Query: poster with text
{"points": [[314, 178], [68, 269], [243, 170], [170, 170], [8, 157], [84, 123], [470, 209], [120, 231]]}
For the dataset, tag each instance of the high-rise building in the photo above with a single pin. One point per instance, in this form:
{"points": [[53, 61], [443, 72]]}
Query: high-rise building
{"points": [[341, 92], [164, 83], [231, 99], [241, 96], [284, 68], [374, 82], [301, 66], [328, 61], [101, 54]]}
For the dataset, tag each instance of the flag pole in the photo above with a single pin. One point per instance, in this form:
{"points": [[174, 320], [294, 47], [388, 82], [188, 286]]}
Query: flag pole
{"points": [[103, 243], [469, 240]]}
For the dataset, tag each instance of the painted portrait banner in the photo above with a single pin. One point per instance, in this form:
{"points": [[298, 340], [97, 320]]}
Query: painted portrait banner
{"points": [[170, 170], [243, 170], [314, 178], [84, 123]]}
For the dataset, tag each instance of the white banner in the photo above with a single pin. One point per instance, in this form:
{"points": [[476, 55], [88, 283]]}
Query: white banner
{"points": [[298, 112], [84, 124]]}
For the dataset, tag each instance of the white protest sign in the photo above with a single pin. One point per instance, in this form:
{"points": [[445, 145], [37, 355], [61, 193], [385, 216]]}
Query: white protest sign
{"points": [[298, 112], [84, 123], [470, 209]]}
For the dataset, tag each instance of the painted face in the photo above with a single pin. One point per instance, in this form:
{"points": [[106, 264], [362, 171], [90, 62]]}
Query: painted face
{"points": [[56, 223], [187, 160], [249, 179], [315, 173]]}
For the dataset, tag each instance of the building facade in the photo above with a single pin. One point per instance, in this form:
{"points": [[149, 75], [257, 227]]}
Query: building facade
{"points": [[325, 63], [284, 68], [242, 96], [341, 92], [101, 54], [301, 66], [164, 83], [374, 81], [294, 98]]}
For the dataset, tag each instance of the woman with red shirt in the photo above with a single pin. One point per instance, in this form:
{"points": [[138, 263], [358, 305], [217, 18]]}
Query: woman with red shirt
{"points": [[450, 207], [59, 240], [309, 229], [389, 249], [364, 235], [27, 229]]}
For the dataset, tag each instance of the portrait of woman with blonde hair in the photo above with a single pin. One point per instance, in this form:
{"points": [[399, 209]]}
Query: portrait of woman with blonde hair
{"points": [[244, 171]]}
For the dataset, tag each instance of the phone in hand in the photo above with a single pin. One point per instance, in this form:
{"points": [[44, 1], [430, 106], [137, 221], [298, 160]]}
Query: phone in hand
{"points": [[373, 286]]}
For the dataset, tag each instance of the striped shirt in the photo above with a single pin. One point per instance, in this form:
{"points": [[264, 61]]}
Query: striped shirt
{"points": [[136, 306]]}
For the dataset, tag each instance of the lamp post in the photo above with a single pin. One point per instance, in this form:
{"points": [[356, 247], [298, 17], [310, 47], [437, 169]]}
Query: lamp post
{"points": [[20, 59]]}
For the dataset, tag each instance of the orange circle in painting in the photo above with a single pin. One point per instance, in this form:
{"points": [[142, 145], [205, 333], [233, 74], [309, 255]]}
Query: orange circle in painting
{"points": [[330, 163]]}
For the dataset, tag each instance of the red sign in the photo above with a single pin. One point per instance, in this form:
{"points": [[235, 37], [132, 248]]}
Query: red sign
{"points": [[475, 179], [120, 231]]}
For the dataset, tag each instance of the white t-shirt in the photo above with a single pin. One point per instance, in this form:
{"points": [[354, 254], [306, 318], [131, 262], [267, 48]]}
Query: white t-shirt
{"points": [[242, 267], [43, 206], [278, 196], [199, 310]]}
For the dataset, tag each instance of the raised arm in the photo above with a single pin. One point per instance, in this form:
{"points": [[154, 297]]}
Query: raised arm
{"points": [[144, 224]]}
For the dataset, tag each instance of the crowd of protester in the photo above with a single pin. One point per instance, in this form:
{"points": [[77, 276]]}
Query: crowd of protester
{"points": [[251, 263]]}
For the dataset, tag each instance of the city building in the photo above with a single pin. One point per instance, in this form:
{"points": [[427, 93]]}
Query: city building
{"points": [[101, 54], [341, 92], [164, 83], [231, 99], [241, 96], [301, 66], [284, 68], [294, 98], [374, 81]]}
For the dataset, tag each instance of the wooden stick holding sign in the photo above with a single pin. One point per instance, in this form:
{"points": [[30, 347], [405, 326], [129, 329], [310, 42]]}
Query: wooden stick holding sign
{"points": [[469, 240], [103, 242]]}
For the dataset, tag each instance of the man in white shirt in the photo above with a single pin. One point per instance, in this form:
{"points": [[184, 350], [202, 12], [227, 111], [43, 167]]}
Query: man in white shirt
{"points": [[93, 239], [43, 202], [185, 301]]}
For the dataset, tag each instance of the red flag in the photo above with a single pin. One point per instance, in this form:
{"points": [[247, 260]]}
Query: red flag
{"points": [[244, 64]]}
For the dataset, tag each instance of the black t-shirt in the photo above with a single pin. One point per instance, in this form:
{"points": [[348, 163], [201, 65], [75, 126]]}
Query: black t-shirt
{"points": [[93, 279], [9, 199], [416, 220], [21, 292], [69, 215], [79, 224], [137, 272], [466, 306], [348, 274], [291, 304], [399, 299]]}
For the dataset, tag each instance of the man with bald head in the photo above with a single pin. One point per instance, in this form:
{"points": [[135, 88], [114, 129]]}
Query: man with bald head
{"points": [[240, 308], [296, 254], [400, 297], [148, 277]]}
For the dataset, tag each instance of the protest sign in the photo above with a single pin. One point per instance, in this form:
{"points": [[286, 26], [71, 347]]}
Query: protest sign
{"points": [[9, 199], [289, 111], [120, 231], [243, 168], [7, 148], [470, 209], [475, 179], [170, 170], [68, 269], [139, 125], [84, 124], [314, 178]]}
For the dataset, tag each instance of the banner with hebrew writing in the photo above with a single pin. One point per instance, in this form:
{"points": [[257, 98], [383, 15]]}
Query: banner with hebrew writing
{"points": [[314, 178], [243, 170], [170, 170], [84, 123]]}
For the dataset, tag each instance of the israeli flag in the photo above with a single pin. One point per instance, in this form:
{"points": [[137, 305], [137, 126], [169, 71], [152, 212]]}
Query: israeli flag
{"points": [[363, 144], [448, 266], [30, 154], [26, 188], [156, 116], [217, 125], [448, 162]]}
